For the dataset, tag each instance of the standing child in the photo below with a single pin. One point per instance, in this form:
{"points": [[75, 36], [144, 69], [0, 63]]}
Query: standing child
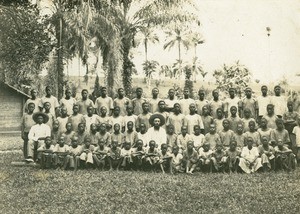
{"points": [[114, 156], [104, 118], [68, 134], [138, 101], [143, 135], [60, 151], [84, 102], [47, 107], [280, 102], [121, 101], [105, 101], [206, 119], [212, 138], [130, 135], [153, 102], [240, 136], [45, 153], [250, 103], [197, 138], [201, 102], [219, 119], [165, 159], [264, 130], [262, 102], [193, 119], [90, 118], [234, 119], [186, 101], [76, 118], [231, 101], [100, 154], [176, 118], [35, 100], [215, 104], [218, 158], [226, 135], [253, 134], [183, 139], [190, 158], [126, 158], [290, 121], [130, 117], [232, 157], [247, 118], [296, 132], [171, 137], [271, 116], [62, 120], [116, 118], [117, 135], [73, 158], [171, 100], [103, 134], [143, 117], [68, 101], [205, 157], [27, 123]]}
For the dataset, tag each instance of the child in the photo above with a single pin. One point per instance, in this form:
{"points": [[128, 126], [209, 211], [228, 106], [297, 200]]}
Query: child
{"points": [[60, 151], [290, 119], [143, 135], [193, 119], [234, 119], [280, 102], [47, 107], [247, 118], [90, 118], [73, 158], [284, 157], [81, 133], [162, 111], [197, 138], [62, 120], [165, 159], [68, 134], [45, 153], [117, 135], [100, 154], [232, 157], [76, 118], [218, 158], [104, 134], [240, 136], [85, 102], [51, 99], [105, 101], [264, 130], [186, 101], [280, 133], [153, 102], [296, 132], [253, 134], [143, 117], [212, 138], [183, 138], [68, 101], [152, 157], [226, 135], [176, 160], [171, 137], [104, 118], [201, 102], [130, 135], [55, 134], [219, 120], [249, 103], [93, 134], [126, 158], [176, 119], [86, 156], [138, 101], [34, 99], [262, 102], [130, 117], [27, 123], [138, 155], [205, 155], [250, 161], [206, 119], [271, 116], [190, 158], [121, 101], [114, 156], [231, 101], [171, 100], [215, 104], [266, 153], [116, 118]]}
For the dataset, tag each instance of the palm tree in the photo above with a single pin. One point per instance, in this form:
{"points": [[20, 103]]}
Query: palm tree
{"points": [[148, 36]]}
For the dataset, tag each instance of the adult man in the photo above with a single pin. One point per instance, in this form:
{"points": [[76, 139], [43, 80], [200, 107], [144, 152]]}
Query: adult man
{"points": [[37, 134], [157, 133]]}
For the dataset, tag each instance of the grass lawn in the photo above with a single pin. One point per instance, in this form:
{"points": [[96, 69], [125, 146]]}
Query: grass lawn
{"points": [[31, 190]]}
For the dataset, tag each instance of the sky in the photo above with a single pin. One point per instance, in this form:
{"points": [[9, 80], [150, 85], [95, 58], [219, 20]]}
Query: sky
{"points": [[236, 30]]}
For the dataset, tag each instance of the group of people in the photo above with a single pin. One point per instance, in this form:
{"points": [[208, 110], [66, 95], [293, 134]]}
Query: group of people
{"points": [[173, 135]]}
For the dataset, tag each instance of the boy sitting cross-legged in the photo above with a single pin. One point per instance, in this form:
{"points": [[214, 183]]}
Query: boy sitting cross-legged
{"points": [[152, 156], [285, 159], [232, 157], [138, 155], [100, 154], [86, 157], [218, 158], [126, 158], [45, 153], [60, 151], [176, 160], [114, 156], [205, 155], [190, 158], [165, 159], [73, 158], [266, 153]]}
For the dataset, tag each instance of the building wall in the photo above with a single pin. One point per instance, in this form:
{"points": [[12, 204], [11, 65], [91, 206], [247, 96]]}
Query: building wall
{"points": [[11, 105]]}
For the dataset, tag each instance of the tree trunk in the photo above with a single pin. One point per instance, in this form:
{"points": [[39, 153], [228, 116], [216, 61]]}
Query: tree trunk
{"points": [[60, 65], [127, 67]]}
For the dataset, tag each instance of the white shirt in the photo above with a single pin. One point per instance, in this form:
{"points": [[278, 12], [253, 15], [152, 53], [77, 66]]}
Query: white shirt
{"points": [[185, 105], [39, 131], [68, 104], [159, 136], [262, 104], [248, 154], [296, 131]]}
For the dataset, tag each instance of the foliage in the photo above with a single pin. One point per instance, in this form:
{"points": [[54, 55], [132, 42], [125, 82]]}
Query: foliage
{"points": [[235, 75], [97, 90], [188, 71], [25, 45]]}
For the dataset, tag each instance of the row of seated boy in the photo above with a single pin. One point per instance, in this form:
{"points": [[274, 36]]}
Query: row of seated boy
{"points": [[248, 159]]}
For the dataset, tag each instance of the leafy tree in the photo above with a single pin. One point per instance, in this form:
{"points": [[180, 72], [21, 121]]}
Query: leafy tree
{"points": [[25, 45], [149, 68], [148, 36], [236, 75]]}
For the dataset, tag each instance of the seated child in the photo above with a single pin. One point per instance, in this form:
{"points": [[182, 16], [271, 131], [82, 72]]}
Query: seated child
{"points": [[206, 118], [73, 158], [165, 159], [114, 156], [219, 120], [104, 118], [218, 158], [247, 118], [60, 151], [45, 153], [264, 130], [240, 136], [100, 154], [81, 133], [250, 161], [234, 119], [68, 134], [86, 157], [104, 134], [138, 155], [284, 157], [212, 138], [183, 138], [126, 157], [280, 133], [176, 160], [266, 153], [152, 157], [205, 155], [190, 158], [198, 138], [232, 157], [271, 116]]}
